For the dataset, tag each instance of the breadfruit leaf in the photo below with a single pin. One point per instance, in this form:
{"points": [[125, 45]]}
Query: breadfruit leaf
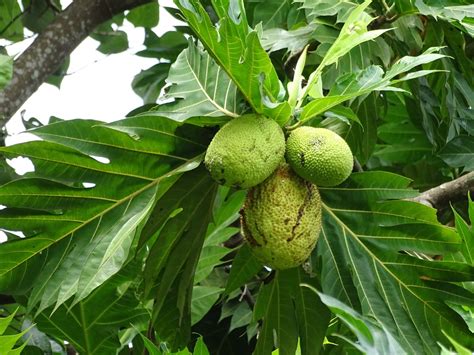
{"points": [[318, 8], [8, 341], [290, 311], [372, 78], [93, 188], [444, 10], [244, 267], [275, 306], [174, 253], [368, 246], [237, 49], [225, 213], [6, 70], [371, 337], [353, 33], [466, 232], [459, 152], [92, 325], [199, 87]]}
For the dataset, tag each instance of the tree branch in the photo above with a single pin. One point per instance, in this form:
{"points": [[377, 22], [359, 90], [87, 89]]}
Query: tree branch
{"points": [[440, 196], [53, 45]]}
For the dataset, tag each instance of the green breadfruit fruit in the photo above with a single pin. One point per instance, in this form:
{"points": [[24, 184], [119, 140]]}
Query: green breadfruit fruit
{"points": [[281, 219], [319, 155], [245, 151]]}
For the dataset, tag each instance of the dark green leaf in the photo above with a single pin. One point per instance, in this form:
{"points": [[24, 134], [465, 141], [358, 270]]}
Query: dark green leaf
{"points": [[272, 14], [149, 82], [152, 348], [343, 113], [362, 138], [239, 52], [92, 325], [11, 27], [203, 299], [211, 256], [244, 267], [408, 30], [275, 307], [111, 41], [166, 47], [459, 152], [241, 317], [443, 9], [312, 315], [38, 14], [6, 70], [57, 77], [290, 312], [174, 255], [145, 15]]}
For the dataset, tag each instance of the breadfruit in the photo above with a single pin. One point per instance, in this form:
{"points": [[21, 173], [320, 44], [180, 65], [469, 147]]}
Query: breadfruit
{"points": [[245, 151], [319, 155], [281, 219]]}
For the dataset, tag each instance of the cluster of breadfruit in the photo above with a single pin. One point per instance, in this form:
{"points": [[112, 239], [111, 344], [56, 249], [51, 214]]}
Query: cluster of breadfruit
{"points": [[281, 218]]}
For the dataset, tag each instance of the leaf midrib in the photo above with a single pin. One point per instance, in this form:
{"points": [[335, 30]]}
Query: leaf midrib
{"points": [[212, 101], [102, 144], [382, 265], [105, 211]]}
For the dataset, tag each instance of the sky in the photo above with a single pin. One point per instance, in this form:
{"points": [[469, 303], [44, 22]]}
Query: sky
{"points": [[96, 86]]}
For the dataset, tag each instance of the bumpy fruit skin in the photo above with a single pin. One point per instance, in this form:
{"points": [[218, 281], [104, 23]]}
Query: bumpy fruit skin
{"points": [[319, 155], [281, 219], [245, 151]]}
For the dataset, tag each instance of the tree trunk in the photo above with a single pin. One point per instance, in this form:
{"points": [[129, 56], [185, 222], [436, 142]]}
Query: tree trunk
{"points": [[53, 45]]}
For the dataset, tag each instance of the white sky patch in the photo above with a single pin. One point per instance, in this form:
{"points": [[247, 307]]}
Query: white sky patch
{"points": [[3, 235], [21, 138], [102, 160], [21, 165]]}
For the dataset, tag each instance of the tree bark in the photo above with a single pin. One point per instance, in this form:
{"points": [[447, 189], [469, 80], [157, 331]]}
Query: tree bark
{"points": [[440, 196], [53, 45]]}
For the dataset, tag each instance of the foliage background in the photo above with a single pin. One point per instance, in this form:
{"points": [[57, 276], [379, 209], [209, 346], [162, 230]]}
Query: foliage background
{"points": [[128, 240]]}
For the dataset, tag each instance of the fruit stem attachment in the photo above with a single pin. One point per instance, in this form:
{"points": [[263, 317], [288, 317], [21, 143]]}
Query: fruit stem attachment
{"points": [[294, 126]]}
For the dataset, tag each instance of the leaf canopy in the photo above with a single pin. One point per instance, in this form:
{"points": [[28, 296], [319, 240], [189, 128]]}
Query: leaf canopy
{"points": [[118, 241]]}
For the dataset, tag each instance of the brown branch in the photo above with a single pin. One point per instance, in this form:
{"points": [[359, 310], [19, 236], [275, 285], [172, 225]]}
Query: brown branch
{"points": [[440, 196], [52, 47]]}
